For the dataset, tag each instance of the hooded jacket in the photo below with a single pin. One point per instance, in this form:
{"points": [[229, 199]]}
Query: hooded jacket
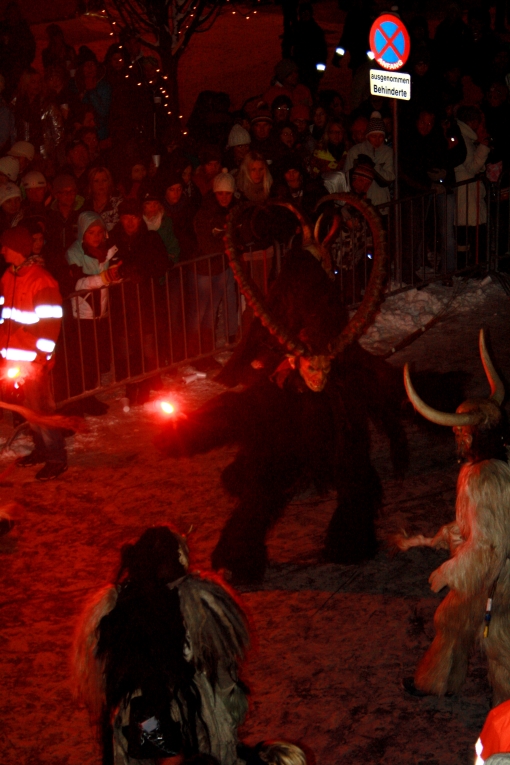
{"points": [[90, 267]]}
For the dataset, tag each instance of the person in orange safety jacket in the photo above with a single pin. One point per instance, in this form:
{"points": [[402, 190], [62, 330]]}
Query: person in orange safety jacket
{"points": [[30, 319]]}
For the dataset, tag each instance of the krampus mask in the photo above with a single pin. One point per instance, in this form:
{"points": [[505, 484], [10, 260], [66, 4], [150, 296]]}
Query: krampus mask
{"points": [[478, 422], [308, 352]]}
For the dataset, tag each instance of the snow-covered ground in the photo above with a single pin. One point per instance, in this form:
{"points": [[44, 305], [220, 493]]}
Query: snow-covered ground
{"points": [[403, 314]]}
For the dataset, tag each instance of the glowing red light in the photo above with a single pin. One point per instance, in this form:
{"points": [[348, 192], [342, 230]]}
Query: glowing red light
{"points": [[13, 372], [167, 407]]}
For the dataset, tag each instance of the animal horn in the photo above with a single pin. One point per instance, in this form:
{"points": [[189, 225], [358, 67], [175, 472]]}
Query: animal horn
{"points": [[317, 227], [374, 291], [253, 296], [497, 389], [439, 418], [305, 225]]}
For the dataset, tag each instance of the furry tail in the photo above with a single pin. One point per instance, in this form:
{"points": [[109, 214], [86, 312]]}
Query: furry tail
{"points": [[46, 420], [86, 670]]}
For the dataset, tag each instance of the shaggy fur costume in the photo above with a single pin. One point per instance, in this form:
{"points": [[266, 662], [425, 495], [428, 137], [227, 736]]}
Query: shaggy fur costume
{"points": [[177, 645], [290, 436], [479, 559]]}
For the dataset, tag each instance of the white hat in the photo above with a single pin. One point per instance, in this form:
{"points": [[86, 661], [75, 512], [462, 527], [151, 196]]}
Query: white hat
{"points": [[9, 191], [22, 149], [9, 166], [224, 182], [238, 136], [33, 180]]}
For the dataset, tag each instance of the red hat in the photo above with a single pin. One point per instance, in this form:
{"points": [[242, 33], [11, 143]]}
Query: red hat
{"points": [[18, 239]]}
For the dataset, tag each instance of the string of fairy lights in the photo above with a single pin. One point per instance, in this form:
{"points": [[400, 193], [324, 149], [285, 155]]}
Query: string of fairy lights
{"points": [[164, 96]]}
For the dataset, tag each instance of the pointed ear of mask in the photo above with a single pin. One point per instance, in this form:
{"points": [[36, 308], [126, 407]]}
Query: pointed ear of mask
{"points": [[292, 361]]}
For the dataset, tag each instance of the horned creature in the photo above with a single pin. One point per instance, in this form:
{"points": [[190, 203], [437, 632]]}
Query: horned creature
{"points": [[477, 608], [304, 416]]}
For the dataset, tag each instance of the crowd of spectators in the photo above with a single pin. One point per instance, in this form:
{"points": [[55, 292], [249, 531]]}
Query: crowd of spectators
{"points": [[112, 187]]}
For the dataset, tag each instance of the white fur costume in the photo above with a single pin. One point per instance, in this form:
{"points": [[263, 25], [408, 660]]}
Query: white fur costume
{"points": [[479, 543]]}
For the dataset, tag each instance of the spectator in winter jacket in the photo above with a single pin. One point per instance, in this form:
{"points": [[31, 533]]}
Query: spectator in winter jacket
{"points": [[94, 90], [101, 196], [62, 229], [156, 219], [179, 207], [144, 263], [214, 280], [381, 155], [92, 267]]}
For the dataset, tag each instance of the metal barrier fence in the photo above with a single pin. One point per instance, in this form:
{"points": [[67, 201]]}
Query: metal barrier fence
{"points": [[132, 331], [431, 236]]}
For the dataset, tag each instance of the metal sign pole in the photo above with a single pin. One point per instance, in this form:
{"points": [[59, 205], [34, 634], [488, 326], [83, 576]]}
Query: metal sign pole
{"points": [[397, 228]]}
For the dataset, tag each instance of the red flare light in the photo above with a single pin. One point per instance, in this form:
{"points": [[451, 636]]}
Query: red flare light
{"points": [[167, 407], [13, 372]]}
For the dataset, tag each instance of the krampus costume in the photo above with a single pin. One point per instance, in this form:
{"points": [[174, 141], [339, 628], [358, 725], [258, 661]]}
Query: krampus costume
{"points": [[304, 417], [156, 658], [478, 572]]}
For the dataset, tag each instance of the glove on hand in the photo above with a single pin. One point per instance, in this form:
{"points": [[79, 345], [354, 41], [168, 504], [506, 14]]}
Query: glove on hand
{"points": [[112, 274]]}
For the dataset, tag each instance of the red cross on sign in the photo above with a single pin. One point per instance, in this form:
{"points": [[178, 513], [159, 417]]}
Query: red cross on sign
{"points": [[389, 42]]}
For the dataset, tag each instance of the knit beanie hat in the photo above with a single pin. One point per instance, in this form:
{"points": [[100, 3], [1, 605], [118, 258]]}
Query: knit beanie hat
{"points": [[22, 149], [33, 179], [9, 191], [18, 239], [283, 68], [9, 166], [224, 182], [363, 171], [238, 136], [375, 124]]}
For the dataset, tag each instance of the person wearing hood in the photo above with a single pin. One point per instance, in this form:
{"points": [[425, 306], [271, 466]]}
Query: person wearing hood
{"points": [[93, 266]]}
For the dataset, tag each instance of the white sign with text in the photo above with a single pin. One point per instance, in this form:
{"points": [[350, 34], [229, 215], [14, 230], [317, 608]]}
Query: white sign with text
{"points": [[390, 84]]}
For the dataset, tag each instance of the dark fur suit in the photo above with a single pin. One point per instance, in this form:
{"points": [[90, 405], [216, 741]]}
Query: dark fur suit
{"points": [[290, 436]]}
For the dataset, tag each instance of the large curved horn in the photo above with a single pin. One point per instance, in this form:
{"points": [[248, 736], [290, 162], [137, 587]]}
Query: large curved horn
{"points": [[305, 225], [375, 287], [497, 389], [439, 418], [253, 296]]}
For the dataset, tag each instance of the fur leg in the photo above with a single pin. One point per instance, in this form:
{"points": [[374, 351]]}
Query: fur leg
{"points": [[241, 548], [444, 667]]}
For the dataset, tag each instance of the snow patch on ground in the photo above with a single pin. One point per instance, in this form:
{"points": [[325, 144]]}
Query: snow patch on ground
{"points": [[402, 314]]}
